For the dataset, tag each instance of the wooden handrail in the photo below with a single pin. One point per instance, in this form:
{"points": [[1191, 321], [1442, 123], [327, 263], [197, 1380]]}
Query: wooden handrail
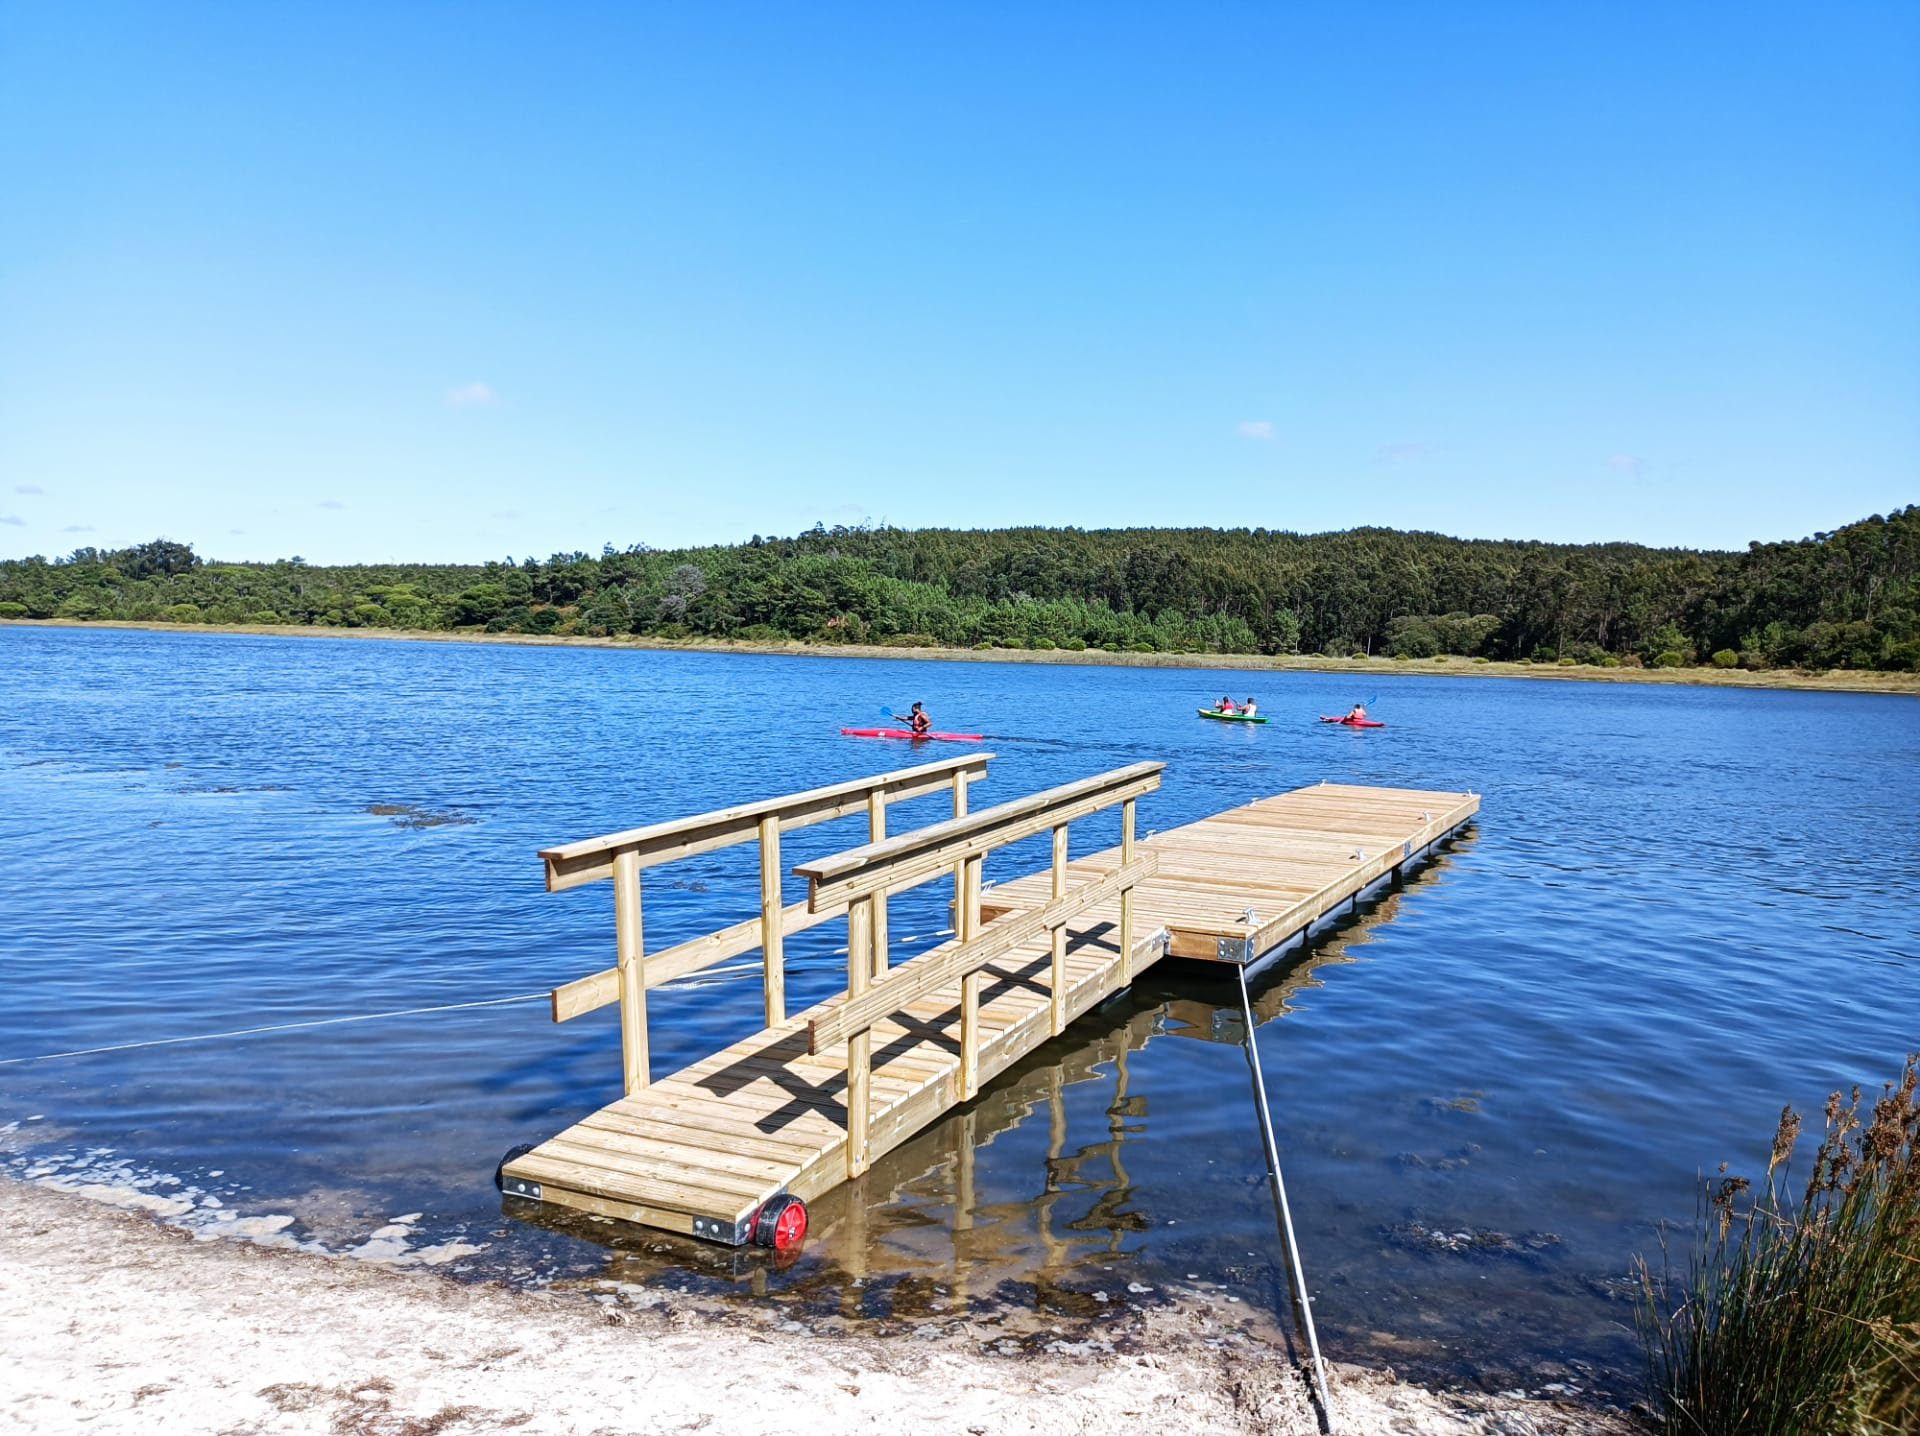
{"points": [[621, 857], [913, 980], [914, 857], [572, 865]]}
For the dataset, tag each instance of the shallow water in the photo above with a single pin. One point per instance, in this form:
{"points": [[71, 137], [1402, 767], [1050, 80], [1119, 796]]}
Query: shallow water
{"points": [[1679, 909]]}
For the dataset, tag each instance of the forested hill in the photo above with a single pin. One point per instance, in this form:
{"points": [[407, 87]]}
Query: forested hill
{"points": [[1847, 599]]}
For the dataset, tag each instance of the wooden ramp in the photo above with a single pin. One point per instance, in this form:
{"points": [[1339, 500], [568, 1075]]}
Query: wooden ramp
{"points": [[814, 1098]]}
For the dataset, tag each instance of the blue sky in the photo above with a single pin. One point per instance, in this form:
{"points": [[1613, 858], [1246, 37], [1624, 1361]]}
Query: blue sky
{"points": [[453, 281]]}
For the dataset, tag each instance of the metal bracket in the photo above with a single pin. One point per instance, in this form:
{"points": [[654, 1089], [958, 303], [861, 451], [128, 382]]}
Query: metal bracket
{"points": [[714, 1229], [1235, 949], [520, 1187]]}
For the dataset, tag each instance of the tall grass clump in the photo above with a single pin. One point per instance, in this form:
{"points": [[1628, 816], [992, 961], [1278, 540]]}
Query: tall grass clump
{"points": [[1799, 1313]]}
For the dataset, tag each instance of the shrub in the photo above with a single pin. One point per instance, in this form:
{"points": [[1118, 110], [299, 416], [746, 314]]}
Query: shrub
{"points": [[1905, 657], [1483, 659], [1357, 656], [1799, 1315], [1672, 658], [1402, 657], [181, 613], [1439, 658], [1567, 663], [1527, 662], [1074, 645], [1726, 658], [13, 610], [1609, 662], [1141, 648], [1631, 660], [1752, 660]]}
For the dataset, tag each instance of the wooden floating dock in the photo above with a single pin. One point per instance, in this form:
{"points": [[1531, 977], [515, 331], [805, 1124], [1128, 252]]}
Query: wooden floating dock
{"points": [[720, 1148]]}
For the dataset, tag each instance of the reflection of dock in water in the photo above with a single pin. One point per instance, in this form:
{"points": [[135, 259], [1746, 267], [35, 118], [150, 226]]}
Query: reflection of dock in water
{"points": [[919, 1216]]}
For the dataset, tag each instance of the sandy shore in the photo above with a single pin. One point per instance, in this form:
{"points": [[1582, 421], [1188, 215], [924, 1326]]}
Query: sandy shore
{"points": [[1836, 680], [111, 1321]]}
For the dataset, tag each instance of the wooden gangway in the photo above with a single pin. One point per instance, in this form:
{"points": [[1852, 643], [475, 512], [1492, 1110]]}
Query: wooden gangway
{"points": [[731, 1147]]}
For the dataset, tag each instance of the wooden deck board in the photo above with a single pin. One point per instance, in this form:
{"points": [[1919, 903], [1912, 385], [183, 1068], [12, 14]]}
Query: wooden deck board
{"points": [[716, 1139]]}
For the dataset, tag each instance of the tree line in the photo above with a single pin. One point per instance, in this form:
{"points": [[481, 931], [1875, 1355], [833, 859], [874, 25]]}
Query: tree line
{"points": [[1846, 599]]}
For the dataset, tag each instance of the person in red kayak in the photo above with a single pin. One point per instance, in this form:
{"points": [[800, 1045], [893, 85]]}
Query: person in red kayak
{"points": [[919, 721], [1358, 715]]}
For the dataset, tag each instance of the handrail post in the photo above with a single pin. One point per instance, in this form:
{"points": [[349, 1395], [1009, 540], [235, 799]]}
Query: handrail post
{"points": [[1057, 938], [970, 985], [772, 934], [966, 923], [629, 946], [960, 869], [859, 1044], [876, 832], [1126, 893]]}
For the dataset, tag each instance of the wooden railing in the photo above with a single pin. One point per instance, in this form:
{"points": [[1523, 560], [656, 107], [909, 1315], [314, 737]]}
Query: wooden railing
{"points": [[859, 882], [620, 857]]}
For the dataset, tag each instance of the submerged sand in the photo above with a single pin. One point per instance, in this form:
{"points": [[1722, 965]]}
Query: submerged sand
{"points": [[112, 1321]]}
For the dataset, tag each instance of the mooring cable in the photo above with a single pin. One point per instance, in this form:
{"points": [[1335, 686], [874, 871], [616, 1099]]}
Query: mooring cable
{"points": [[1297, 1277]]}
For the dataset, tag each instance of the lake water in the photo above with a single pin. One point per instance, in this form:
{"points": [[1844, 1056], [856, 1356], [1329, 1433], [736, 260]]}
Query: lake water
{"points": [[1679, 909]]}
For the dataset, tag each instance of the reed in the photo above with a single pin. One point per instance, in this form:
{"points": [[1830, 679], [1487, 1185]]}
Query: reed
{"points": [[1799, 1313]]}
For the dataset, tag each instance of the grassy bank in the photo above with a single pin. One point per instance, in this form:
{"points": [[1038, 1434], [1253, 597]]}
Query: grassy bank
{"points": [[1837, 680]]}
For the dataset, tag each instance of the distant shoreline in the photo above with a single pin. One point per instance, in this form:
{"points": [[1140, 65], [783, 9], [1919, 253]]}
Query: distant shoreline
{"points": [[1837, 680]]}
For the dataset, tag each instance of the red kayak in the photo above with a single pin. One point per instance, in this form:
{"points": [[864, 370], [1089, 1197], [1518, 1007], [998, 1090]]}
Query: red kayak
{"points": [[1353, 722], [912, 736]]}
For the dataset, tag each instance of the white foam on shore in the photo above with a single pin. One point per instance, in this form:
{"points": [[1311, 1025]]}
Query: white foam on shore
{"points": [[100, 1175]]}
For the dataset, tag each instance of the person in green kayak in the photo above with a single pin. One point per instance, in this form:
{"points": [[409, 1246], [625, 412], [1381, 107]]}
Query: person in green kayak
{"points": [[1225, 705], [917, 718], [1249, 708]]}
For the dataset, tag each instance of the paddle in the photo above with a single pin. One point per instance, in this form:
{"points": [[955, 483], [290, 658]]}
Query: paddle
{"points": [[886, 711]]}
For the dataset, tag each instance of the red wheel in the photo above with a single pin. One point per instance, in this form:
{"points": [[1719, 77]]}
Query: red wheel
{"points": [[781, 1223]]}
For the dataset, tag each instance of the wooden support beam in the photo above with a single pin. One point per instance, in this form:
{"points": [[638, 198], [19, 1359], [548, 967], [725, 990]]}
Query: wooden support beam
{"points": [[1126, 895], [630, 948], [773, 940], [859, 1044], [876, 833], [970, 1034], [1057, 967]]}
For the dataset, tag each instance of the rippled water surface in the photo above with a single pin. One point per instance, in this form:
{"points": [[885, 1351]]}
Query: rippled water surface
{"points": [[1679, 909]]}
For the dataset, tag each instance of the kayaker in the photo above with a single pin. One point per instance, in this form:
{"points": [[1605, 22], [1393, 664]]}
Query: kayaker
{"points": [[1359, 714], [1249, 708], [1224, 706], [917, 718]]}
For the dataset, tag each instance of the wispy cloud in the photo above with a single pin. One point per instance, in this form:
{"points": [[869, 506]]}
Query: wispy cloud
{"points": [[236, 531], [472, 396], [1255, 428], [13, 521], [504, 514], [331, 504], [77, 529], [1402, 452], [1632, 465], [28, 489]]}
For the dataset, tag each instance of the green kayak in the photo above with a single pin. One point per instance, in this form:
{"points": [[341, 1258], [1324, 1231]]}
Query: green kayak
{"points": [[1219, 717]]}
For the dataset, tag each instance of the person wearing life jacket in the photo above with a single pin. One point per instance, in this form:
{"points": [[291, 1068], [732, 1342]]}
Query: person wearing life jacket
{"points": [[1225, 705], [918, 719], [1358, 715]]}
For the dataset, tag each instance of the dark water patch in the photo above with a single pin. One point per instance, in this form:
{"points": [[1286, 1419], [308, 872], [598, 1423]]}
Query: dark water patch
{"points": [[411, 815]]}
